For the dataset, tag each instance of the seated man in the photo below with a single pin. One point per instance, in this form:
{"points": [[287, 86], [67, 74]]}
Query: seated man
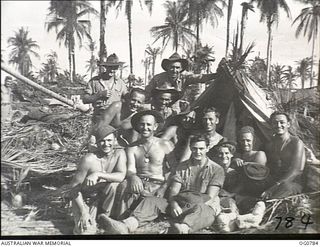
{"points": [[209, 120], [94, 184], [163, 99], [119, 114], [193, 196], [146, 173], [286, 159]]}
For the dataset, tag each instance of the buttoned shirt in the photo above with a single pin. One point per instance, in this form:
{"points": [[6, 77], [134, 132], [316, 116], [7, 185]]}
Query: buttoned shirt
{"points": [[163, 80], [199, 178], [117, 87]]}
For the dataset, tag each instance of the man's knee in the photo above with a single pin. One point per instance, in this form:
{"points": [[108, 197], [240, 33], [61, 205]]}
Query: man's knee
{"points": [[110, 188]]}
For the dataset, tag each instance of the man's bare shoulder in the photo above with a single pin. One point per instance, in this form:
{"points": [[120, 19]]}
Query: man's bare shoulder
{"points": [[115, 105], [89, 157], [119, 151]]}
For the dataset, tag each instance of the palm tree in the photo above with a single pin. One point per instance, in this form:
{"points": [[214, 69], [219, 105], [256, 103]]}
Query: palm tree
{"points": [[201, 10], [65, 18], [103, 48], [270, 14], [50, 69], [22, 49], [230, 5], [244, 16], [201, 58], [303, 69], [153, 53], [237, 58], [277, 75], [146, 63], [92, 62], [127, 4], [174, 29], [289, 76], [309, 24], [258, 71]]}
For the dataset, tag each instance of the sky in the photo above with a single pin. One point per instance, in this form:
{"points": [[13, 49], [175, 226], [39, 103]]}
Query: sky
{"points": [[287, 49]]}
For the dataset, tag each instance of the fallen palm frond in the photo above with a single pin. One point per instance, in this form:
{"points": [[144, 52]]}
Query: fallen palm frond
{"points": [[299, 203], [30, 146]]}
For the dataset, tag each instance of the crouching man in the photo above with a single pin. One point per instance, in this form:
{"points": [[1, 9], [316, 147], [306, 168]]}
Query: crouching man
{"points": [[193, 196], [96, 180], [286, 159]]}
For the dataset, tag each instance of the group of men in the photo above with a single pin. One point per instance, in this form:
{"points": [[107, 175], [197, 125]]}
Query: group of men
{"points": [[155, 157]]}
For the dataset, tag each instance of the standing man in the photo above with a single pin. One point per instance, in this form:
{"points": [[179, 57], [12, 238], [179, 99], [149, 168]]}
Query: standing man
{"points": [[95, 182], [146, 169], [286, 159], [175, 75], [193, 196], [6, 100], [106, 88]]}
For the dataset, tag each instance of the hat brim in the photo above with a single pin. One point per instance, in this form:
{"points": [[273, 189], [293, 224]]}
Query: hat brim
{"points": [[136, 117], [258, 178], [176, 95], [165, 63], [111, 64]]}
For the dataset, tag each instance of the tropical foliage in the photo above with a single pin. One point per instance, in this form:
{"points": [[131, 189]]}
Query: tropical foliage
{"points": [[127, 5], [309, 24], [175, 28], [66, 18], [270, 13], [23, 48], [49, 69]]}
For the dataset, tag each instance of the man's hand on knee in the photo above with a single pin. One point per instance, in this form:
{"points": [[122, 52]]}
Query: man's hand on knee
{"points": [[135, 184]]}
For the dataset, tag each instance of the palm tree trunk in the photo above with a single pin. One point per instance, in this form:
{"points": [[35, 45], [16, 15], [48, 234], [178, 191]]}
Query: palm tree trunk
{"points": [[269, 50], [130, 38], [312, 53], [70, 59], [230, 4], [198, 28], [153, 65], [242, 26], [73, 61], [103, 50]]}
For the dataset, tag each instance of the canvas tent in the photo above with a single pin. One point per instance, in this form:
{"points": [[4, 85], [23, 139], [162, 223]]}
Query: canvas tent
{"points": [[240, 101]]}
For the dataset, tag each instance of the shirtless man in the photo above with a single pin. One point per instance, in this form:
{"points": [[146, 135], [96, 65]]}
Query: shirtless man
{"points": [[247, 154], [286, 159], [193, 196], [96, 180], [146, 171], [119, 113]]}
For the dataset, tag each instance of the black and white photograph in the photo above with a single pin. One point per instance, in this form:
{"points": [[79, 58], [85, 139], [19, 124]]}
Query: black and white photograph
{"points": [[160, 119]]}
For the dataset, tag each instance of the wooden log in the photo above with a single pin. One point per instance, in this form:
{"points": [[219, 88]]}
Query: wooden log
{"points": [[69, 102]]}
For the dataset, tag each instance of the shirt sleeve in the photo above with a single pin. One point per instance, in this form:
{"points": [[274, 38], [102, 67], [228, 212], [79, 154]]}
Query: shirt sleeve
{"points": [[176, 177], [89, 89], [198, 78], [218, 177]]}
